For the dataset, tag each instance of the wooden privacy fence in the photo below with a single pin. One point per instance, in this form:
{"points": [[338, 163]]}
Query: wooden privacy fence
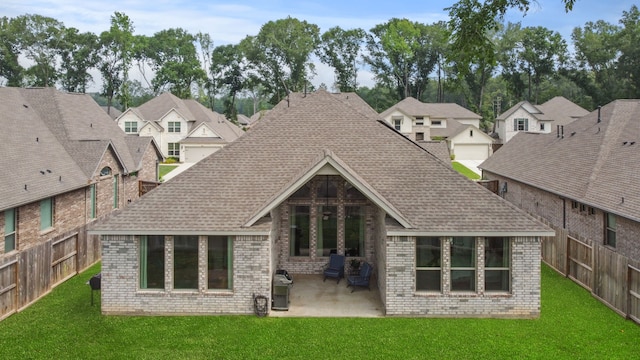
{"points": [[611, 277], [32, 273]]}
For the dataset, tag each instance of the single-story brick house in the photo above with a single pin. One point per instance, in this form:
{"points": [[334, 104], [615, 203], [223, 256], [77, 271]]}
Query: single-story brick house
{"points": [[325, 176]]}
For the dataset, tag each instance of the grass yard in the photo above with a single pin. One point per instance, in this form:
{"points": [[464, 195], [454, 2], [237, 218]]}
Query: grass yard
{"points": [[164, 169], [63, 325], [465, 171]]}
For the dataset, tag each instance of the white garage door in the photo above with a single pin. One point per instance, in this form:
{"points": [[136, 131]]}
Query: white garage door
{"points": [[193, 154], [471, 152]]}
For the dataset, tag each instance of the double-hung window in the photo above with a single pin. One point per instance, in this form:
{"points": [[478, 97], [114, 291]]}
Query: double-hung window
{"points": [[174, 149], [93, 199], [152, 262], [219, 262], [174, 126], [497, 264], [610, 230], [521, 124], [10, 225], [185, 262], [463, 264], [428, 264], [130, 127]]}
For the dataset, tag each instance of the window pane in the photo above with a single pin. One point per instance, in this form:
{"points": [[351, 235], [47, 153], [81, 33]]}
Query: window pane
{"points": [[463, 280], [9, 221], [46, 214], [185, 262], [219, 263], [327, 241], [428, 280], [496, 252], [496, 280], [10, 242], [152, 262], [354, 231], [428, 252], [463, 252], [299, 230]]}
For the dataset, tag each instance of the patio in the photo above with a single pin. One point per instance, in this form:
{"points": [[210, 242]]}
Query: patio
{"points": [[311, 297]]}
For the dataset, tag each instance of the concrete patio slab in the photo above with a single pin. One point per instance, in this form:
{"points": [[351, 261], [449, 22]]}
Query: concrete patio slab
{"points": [[311, 297]]}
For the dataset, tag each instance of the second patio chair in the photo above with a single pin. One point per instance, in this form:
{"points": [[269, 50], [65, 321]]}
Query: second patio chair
{"points": [[335, 267]]}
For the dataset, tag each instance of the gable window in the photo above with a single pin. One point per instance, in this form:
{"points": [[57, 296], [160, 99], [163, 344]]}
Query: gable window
{"points": [[471, 133], [436, 122], [497, 264], [419, 121], [10, 226], [106, 171], [428, 264], [152, 262], [46, 214], [92, 201], [299, 220], [354, 230], [219, 262], [463, 264], [521, 124], [419, 136], [397, 123], [541, 126], [185, 262], [174, 126], [610, 230], [130, 127], [174, 149]]}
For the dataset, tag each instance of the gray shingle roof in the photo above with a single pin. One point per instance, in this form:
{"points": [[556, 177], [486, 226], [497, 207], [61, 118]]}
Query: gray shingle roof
{"points": [[558, 109], [591, 164], [72, 132], [414, 107], [285, 144]]}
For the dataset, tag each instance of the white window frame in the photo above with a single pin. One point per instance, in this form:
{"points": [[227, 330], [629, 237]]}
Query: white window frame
{"points": [[174, 127], [173, 152], [131, 127]]}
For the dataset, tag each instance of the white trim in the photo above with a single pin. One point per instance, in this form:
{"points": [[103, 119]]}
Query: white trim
{"points": [[322, 168]]}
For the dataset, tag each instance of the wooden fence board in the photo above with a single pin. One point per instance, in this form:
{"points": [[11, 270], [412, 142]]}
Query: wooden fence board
{"points": [[8, 288], [634, 293], [580, 262]]}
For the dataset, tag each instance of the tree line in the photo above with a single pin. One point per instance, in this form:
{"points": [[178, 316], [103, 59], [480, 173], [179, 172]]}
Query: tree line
{"points": [[474, 59]]}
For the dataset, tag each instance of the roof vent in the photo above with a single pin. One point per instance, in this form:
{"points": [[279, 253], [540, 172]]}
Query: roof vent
{"points": [[631, 143], [573, 133], [42, 172], [624, 143], [25, 106], [599, 108]]}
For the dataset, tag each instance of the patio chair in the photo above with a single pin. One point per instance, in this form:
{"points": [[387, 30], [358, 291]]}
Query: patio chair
{"points": [[362, 279], [335, 267]]}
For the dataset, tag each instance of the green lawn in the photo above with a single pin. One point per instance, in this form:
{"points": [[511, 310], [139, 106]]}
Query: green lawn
{"points": [[164, 169], [465, 171], [63, 325]]}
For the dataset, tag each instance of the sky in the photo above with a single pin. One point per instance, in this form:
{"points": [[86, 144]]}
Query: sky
{"points": [[228, 22]]}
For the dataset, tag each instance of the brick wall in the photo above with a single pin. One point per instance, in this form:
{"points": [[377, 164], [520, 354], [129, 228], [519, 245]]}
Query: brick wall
{"points": [[580, 223], [120, 277], [522, 302]]}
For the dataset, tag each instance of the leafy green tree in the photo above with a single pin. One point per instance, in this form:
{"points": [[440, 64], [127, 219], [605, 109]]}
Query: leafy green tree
{"points": [[340, 49], [172, 56], [400, 55], [472, 22], [10, 68], [280, 55], [39, 38], [227, 68], [629, 61], [115, 54], [596, 54], [78, 53]]}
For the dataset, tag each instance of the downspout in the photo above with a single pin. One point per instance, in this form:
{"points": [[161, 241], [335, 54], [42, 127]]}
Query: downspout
{"points": [[564, 213]]}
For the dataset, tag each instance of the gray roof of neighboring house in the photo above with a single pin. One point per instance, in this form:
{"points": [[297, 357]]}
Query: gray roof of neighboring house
{"points": [[138, 145], [439, 149], [112, 111], [558, 109], [193, 112], [291, 144], [412, 106], [595, 163], [59, 134]]}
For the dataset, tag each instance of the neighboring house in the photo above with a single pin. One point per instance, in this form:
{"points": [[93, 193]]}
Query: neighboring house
{"points": [[443, 121], [338, 181], [65, 164], [112, 111], [184, 129], [582, 180], [544, 118]]}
